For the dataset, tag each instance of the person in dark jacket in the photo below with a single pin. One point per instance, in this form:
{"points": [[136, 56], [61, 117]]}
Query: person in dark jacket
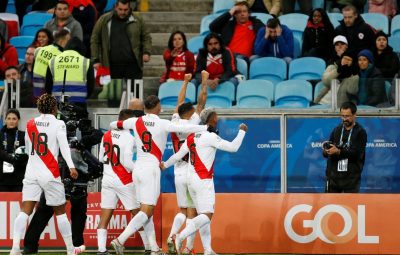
{"points": [[345, 151], [217, 60], [371, 86], [318, 35], [8, 56], [386, 60], [238, 29], [12, 166], [359, 34]]}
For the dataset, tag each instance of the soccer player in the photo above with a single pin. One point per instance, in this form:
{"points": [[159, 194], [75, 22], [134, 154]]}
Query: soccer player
{"points": [[202, 147], [151, 137], [44, 137], [116, 153], [185, 113]]}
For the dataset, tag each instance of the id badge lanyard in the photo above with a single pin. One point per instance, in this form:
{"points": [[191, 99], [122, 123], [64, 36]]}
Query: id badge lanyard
{"points": [[5, 141], [348, 139], [343, 164]]}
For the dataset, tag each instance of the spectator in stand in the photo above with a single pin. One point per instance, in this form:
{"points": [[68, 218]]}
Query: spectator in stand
{"points": [[318, 35], [386, 60], [178, 59], [8, 56], [371, 88], [217, 60], [338, 5], [26, 76], [340, 46], [120, 41], [272, 7], [238, 33], [385, 7], [37, 5], [64, 20], [43, 38], [346, 71], [12, 166], [274, 40], [288, 6], [359, 34]]}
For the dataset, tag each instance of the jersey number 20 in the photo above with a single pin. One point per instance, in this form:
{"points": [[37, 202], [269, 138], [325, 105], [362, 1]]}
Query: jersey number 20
{"points": [[115, 152]]}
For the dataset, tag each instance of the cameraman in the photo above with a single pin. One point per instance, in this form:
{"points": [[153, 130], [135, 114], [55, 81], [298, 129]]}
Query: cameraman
{"points": [[12, 165], [89, 168], [345, 151]]}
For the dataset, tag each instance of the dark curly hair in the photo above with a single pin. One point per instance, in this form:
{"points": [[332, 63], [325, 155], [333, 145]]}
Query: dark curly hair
{"points": [[46, 103]]}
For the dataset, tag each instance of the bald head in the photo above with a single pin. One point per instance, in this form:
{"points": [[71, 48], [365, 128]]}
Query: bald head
{"points": [[136, 104]]}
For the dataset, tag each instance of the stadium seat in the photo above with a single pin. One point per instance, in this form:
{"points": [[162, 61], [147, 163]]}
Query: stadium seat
{"points": [[11, 7], [242, 67], [317, 89], [293, 94], [308, 68], [196, 43], [268, 68], [110, 5], [394, 42], [395, 26], [377, 21], [34, 21], [255, 94], [335, 17], [21, 43], [168, 93], [262, 16], [297, 22], [222, 5], [297, 43], [205, 23], [12, 24], [318, 4], [222, 97]]}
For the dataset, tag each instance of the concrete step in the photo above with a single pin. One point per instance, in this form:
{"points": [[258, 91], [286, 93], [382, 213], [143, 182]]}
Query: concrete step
{"points": [[169, 27], [161, 39], [173, 16], [180, 5], [155, 60]]}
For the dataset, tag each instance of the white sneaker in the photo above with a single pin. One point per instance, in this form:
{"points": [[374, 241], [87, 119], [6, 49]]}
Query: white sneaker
{"points": [[178, 244], [210, 252], [77, 250], [171, 245], [118, 247], [15, 252]]}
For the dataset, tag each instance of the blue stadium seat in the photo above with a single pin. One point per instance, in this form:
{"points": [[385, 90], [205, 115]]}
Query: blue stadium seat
{"points": [[110, 5], [168, 93], [395, 26], [11, 7], [262, 16], [242, 67], [34, 21], [395, 43], [335, 17], [21, 43], [205, 23], [293, 94], [222, 97], [222, 5], [297, 43], [297, 22], [318, 4], [268, 68], [255, 94], [308, 68], [377, 20], [196, 43]]}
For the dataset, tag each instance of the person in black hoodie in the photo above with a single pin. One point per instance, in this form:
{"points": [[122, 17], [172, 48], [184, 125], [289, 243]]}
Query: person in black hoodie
{"points": [[318, 35], [11, 138], [386, 60], [359, 34]]}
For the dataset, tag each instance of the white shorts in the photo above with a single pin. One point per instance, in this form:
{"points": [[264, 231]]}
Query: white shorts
{"points": [[54, 191], [147, 182], [126, 193], [202, 192], [182, 191]]}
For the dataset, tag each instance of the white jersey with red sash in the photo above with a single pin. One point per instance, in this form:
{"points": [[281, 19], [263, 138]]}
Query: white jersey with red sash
{"points": [[44, 137], [202, 147], [151, 135], [178, 139], [116, 151]]}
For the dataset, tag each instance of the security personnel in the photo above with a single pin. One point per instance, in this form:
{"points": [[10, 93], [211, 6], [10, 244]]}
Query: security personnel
{"points": [[77, 71], [43, 56]]}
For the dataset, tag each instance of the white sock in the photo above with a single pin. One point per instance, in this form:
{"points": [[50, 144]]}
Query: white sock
{"points": [[134, 225], [194, 225], [177, 224], [102, 239], [190, 239], [145, 240], [19, 229], [151, 234], [65, 229], [205, 235]]}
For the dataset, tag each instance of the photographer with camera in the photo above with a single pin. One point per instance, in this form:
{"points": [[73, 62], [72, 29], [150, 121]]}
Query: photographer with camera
{"points": [[12, 154], [89, 168], [345, 151]]}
